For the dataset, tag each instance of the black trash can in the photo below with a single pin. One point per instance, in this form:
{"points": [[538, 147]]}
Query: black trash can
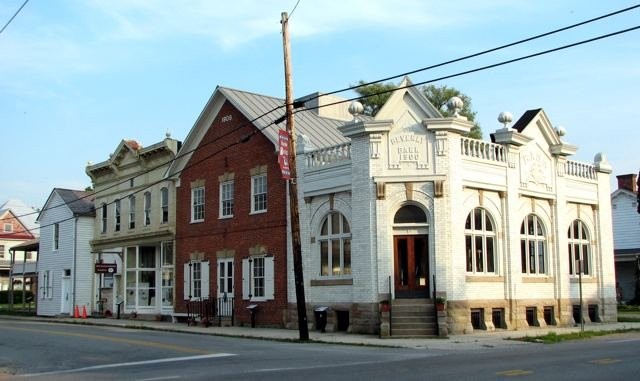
{"points": [[321, 318]]}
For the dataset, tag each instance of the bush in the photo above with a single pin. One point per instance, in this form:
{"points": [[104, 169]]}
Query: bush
{"points": [[17, 296]]}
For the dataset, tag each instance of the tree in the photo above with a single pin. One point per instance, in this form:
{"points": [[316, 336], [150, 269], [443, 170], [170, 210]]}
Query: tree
{"points": [[373, 103], [437, 95]]}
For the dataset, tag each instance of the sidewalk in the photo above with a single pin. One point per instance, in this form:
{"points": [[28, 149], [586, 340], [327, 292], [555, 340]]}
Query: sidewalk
{"points": [[476, 340]]}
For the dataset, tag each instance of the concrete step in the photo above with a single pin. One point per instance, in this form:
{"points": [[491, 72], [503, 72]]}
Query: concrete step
{"points": [[413, 318]]}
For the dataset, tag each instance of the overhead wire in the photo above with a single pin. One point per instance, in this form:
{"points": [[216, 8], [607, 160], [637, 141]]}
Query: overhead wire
{"points": [[280, 119], [386, 79], [480, 53], [14, 16], [459, 59]]}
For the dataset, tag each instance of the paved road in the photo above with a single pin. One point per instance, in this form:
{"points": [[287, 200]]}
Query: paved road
{"points": [[50, 351]]}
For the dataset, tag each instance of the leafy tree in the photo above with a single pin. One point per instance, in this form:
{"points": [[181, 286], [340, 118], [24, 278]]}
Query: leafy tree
{"points": [[373, 103], [437, 95]]}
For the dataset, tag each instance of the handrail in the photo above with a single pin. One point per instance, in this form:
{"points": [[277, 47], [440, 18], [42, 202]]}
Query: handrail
{"points": [[390, 309], [435, 307]]}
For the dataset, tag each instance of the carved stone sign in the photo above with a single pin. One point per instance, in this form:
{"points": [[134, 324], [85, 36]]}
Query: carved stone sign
{"points": [[408, 148], [535, 168]]}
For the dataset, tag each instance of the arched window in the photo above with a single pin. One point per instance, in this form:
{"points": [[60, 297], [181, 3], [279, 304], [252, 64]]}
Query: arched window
{"points": [[335, 245], [533, 246], [579, 248], [147, 208], [103, 224], [480, 237], [164, 205], [410, 214]]}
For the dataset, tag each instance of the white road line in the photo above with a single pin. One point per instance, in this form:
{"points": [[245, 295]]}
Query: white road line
{"points": [[623, 341], [136, 363]]}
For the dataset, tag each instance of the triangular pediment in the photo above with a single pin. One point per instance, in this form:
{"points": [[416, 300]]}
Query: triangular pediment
{"points": [[535, 124], [126, 152], [407, 97]]}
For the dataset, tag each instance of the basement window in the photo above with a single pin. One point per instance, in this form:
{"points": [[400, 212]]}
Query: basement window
{"points": [[549, 316], [593, 313], [477, 318], [532, 316], [497, 317]]}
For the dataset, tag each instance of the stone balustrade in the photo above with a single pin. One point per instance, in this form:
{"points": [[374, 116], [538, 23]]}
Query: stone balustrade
{"points": [[328, 156]]}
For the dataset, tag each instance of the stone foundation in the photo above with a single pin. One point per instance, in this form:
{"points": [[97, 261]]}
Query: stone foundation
{"points": [[525, 313], [358, 317]]}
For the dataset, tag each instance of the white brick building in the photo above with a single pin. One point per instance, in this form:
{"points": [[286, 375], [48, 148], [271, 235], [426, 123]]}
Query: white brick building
{"points": [[410, 207]]}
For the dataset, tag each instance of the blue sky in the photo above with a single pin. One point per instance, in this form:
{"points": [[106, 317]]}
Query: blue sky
{"points": [[77, 76]]}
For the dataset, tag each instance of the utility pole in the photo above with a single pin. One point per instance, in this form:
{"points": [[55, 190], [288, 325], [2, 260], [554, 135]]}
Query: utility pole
{"points": [[293, 188]]}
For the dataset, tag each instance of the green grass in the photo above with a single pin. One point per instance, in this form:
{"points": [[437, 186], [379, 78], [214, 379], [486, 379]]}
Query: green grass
{"points": [[553, 338]]}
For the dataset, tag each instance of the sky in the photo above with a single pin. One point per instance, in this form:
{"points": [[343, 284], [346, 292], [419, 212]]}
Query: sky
{"points": [[78, 76]]}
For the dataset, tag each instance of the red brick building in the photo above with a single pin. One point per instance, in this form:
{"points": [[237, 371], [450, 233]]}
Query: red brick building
{"points": [[232, 237]]}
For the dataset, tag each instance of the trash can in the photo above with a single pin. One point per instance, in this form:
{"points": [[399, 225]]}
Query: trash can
{"points": [[321, 318]]}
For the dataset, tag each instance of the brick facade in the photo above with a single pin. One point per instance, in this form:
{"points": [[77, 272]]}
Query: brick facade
{"points": [[218, 154]]}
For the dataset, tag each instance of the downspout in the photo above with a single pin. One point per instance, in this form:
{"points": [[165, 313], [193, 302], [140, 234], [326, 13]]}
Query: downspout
{"points": [[73, 264]]}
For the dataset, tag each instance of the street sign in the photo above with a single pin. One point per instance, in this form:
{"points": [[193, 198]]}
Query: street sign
{"points": [[283, 154], [106, 268]]}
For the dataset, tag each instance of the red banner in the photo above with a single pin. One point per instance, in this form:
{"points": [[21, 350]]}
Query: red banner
{"points": [[283, 154]]}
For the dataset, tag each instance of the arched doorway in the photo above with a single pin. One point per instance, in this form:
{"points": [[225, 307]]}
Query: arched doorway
{"points": [[411, 252]]}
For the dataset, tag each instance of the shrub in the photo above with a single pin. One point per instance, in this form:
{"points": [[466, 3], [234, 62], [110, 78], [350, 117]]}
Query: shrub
{"points": [[17, 296]]}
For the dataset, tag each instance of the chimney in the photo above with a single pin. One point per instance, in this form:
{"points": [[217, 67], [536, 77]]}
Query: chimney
{"points": [[627, 182]]}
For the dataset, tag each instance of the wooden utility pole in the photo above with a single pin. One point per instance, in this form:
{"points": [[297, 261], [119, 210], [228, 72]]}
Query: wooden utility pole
{"points": [[293, 188]]}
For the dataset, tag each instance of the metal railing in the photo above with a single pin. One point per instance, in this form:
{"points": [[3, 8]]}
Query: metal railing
{"points": [[207, 310], [435, 307]]}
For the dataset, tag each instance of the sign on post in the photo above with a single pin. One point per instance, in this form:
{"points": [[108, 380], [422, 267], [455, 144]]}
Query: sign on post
{"points": [[283, 154], [106, 268]]}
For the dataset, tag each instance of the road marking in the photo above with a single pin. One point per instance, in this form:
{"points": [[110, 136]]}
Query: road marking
{"points": [[153, 344], [623, 341], [606, 361], [124, 364], [514, 372], [160, 378]]}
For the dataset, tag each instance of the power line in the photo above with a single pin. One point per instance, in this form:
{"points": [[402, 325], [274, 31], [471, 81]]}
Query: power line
{"points": [[478, 69], [255, 131], [296, 103], [389, 78], [293, 10], [463, 58], [14, 16]]}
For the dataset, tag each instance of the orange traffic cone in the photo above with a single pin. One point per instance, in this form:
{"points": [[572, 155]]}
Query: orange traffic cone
{"points": [[84, 312], [76, 313]]}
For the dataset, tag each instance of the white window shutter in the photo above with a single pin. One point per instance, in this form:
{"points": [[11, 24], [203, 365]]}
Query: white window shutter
{"points": [[269, 290], [50, 285], [42, 284], [204, 271], [245, 279], [187, 281]]}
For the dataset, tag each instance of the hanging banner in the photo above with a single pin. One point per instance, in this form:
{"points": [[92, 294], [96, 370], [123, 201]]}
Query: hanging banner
{"points": [[283, 154]]}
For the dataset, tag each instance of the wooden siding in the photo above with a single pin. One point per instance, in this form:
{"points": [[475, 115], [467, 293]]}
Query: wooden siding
{"points": [[56, 261], [626, 222]]}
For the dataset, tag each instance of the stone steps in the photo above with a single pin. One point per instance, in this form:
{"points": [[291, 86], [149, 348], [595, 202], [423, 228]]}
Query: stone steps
{"points": [[413, 318]]}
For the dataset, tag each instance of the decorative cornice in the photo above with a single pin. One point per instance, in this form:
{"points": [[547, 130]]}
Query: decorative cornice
{"points": [[360, 128]]}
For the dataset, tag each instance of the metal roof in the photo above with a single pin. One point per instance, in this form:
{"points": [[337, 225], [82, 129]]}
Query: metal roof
{"points": [[321, 131], [80, 202]]}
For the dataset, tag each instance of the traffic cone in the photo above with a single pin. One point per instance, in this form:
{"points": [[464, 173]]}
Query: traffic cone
{"points": [[76, 313], [84, 312]]}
